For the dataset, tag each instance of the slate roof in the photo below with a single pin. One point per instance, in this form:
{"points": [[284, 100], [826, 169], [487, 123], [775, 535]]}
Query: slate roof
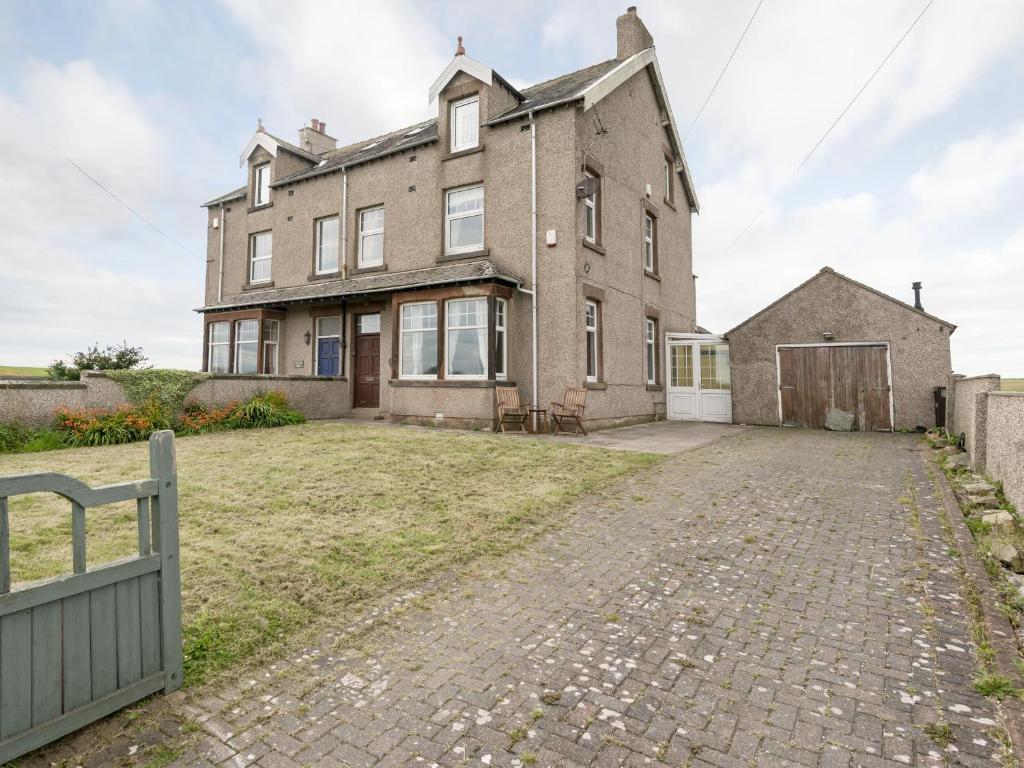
{"points": [[238, 193], [383, 282], [558, 90]]}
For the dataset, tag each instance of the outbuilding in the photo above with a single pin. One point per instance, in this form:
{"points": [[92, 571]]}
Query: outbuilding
{"points": [[835, 343]]}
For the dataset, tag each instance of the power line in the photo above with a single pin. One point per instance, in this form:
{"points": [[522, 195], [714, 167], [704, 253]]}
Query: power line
{"points": [[835, 122], [722, 73]]}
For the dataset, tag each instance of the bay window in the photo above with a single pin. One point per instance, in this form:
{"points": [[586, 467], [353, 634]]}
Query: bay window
{"points": [[261, 246], [219, 348], [464, 220], [418, 343], [371, 237], [466, 341], [247, 337], [327, 245], [465, 124], [501, 339], [271, 339]]}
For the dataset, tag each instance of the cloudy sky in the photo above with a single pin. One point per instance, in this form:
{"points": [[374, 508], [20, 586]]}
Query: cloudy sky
{"points": [[922, 180]]}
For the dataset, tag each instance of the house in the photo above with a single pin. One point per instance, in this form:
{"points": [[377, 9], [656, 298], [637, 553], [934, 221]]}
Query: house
{"points": [[537, 237], [833, 342]]}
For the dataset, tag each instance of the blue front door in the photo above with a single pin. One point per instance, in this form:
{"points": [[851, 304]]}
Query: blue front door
{"points": [[328, 355]]}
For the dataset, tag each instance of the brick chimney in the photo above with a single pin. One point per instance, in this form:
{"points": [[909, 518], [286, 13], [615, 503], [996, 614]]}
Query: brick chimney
{"points": [[313, 138], [631, 35]]}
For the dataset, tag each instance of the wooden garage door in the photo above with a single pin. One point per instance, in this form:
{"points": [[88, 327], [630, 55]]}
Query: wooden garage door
{"points": [[854, 378]]}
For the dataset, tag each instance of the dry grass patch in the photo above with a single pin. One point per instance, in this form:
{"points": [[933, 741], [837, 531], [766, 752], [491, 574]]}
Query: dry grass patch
{"points": [[284, 528], [1012, 385], [21, 370]]}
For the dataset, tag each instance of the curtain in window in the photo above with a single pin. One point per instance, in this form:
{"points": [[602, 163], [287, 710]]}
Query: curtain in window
{"points": [[467, 337], [419, 340]]}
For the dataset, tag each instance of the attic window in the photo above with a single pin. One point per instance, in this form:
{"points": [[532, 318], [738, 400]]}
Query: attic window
{"points": [[261, 185], [464, 123]]}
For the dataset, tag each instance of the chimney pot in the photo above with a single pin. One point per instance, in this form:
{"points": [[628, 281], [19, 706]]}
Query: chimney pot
{"points": [[917, 295], [323, 127]]}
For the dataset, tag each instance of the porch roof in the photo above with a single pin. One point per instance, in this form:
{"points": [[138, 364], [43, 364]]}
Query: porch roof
{"points": [[481, 270]]}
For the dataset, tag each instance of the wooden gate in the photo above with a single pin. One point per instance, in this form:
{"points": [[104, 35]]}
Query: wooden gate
{"points": [[850, 377], [78, 647]]}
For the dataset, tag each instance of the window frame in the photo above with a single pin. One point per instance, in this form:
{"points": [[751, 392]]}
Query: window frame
{"points": [[318, 246], [592, 337], [448, 347], [651, 350], [316, 342], [210, 344], [449, 218], [260, 173], [590, 211], [401, 345], [252, 257], [361, 234], [648, 242], [501, 339], [669, 181], [238, 342], [453, 107], [265, 325]]}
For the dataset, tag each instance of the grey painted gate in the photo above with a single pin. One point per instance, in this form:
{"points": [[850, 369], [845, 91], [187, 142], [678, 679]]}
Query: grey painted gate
{"points": [[75, 648]]}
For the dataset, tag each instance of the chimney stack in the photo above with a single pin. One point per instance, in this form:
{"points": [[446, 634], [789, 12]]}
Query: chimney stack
{"points": [[631, 36], [917, 296], [313, 138]]}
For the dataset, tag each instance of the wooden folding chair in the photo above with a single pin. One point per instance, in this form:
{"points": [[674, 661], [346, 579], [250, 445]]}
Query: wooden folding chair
{"points": [[509, 409], [570, 410]]}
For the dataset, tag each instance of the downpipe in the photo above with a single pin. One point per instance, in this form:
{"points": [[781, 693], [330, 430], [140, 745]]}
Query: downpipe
{"points": [[533, 265]]}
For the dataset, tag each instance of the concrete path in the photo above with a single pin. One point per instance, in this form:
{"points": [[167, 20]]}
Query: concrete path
{"points": [[658, 437], [777, 598]]}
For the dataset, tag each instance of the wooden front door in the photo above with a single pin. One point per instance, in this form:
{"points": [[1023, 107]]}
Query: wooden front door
{"points": [[851, 378], [366, 392]]}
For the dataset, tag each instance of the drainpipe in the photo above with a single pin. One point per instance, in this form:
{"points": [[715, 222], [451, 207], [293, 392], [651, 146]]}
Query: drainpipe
{"points": [[533, 260], [344, 221], [220, 268]]}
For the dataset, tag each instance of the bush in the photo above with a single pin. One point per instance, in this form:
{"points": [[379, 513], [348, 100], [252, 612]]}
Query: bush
{"points": [[112, 358], [125, 424], [17, 438], [168, 387], [12, 437], [197, 419], [264, 409]]}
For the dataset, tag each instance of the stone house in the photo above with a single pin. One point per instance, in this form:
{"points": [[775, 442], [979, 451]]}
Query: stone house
{"points": [[540, 238]]}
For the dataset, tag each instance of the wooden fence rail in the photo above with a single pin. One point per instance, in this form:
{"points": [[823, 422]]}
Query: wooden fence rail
{"points": [[80, 646]]}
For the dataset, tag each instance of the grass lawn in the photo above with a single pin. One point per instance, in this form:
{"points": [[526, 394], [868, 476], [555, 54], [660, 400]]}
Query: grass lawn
{"points": [[16, 370], [290, 528], [1012, 385]]}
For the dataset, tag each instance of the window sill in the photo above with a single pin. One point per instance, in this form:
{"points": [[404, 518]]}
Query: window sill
{"points": [[596, 247], [463, 152], [652, 275], [276, 377], [324, 276], [257, 286], [462, 256], [654, 388], [369, 270], [597, 385], [256, 208], [669, 203], [465, 383]]}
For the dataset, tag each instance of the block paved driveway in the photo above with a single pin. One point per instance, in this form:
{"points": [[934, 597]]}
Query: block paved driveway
{"points": [[773, 598]]}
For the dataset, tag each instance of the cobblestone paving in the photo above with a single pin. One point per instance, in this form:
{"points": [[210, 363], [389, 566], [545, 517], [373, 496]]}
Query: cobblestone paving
{"points": [[775, 598]]}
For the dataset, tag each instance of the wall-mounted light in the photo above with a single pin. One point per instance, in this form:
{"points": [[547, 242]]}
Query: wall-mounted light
{"points": [[826, 335], [308, 337]]}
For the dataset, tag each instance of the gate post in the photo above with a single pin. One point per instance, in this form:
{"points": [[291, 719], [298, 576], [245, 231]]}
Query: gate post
{"points": [[163, 468]]}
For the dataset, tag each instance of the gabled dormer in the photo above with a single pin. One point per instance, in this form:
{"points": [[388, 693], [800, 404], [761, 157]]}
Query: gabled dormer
{"points": [[468, 94], [269, 158]]}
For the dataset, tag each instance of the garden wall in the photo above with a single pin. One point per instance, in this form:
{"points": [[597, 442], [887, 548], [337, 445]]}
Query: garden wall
{"points": [[33, 401], [993, 422]]}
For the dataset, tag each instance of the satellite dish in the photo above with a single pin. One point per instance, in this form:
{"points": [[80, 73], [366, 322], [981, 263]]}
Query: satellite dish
{"points": [[586, 187]]}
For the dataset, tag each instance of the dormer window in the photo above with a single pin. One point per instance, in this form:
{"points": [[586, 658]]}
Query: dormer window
{"points": [[464, 123], [261, 184]]}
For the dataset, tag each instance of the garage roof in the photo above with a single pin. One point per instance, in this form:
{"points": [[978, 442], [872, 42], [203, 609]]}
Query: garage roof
{"points": [[830, 271]]}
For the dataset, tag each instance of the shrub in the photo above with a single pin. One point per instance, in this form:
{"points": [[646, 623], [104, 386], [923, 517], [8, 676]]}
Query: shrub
{"points": [[168, 387], [198, 419], [125, 424], [12, 437], [96, 359], [264, 409]]}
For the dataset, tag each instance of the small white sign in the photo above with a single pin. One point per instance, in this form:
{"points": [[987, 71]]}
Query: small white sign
{"points": [[552, 238]]}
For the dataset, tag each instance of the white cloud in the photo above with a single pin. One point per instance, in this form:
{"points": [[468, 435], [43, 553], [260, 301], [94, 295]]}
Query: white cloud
{"points": [[363, 67], [971, 174]]}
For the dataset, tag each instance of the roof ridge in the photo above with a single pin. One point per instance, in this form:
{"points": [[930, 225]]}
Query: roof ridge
{"points": [[354, 144]]}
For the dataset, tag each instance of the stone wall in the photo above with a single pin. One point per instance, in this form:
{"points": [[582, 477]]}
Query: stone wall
{"points": [[965, 406], [33, 401], [999, 438]]}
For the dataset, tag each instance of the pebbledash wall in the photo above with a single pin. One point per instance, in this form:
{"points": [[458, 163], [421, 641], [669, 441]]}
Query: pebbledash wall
{"points": [[33, 401], [992, 422]]}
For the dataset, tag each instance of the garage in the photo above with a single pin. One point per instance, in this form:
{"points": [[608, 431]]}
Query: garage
{"points": [[833, 343], [853, 378]]}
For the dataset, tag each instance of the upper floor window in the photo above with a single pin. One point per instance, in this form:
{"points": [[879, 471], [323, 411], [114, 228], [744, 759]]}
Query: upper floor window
{"points": [[271, 339], [261, 246], [649, 240], [591, 219], [327, 245], [218, 357], [500, 339], [591, 319], [464, 123], [467, 338], [668, 179], [464, 220], [371, 237], [417, 351], [261, 184], [651, 348], [247, 338]]}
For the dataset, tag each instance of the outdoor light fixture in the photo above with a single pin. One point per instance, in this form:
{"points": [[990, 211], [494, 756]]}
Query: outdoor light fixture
{"points": [[826, 335], [308, 337]]}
